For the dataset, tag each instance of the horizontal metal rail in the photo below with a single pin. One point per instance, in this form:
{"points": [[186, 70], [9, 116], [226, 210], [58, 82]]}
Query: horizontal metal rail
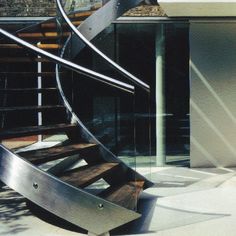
{"points": [[105, 15], [82, 70]]}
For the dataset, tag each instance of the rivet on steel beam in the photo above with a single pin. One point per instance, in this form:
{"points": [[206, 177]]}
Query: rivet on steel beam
{"points": [[35, 185], [100, 206]]}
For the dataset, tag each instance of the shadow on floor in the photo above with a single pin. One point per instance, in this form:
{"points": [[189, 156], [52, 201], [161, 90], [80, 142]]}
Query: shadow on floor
{"points": [[155, 216], [50, 218], [146, 207], [12, 208]]}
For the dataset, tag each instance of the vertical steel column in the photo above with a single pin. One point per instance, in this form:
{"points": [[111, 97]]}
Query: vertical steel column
{"points": [[160, 95]]}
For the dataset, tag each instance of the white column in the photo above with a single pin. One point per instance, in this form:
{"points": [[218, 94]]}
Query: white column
{"points": [[40, 137], [160, 95]]}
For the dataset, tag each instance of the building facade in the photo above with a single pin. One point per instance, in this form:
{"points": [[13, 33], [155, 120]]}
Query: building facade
{"points": [[186, 54]]}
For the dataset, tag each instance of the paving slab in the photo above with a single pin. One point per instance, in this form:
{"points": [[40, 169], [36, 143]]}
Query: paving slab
{"points": [[183, 201]]}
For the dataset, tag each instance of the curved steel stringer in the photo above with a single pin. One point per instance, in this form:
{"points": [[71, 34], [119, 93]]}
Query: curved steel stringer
{"points": [[72, 204]]}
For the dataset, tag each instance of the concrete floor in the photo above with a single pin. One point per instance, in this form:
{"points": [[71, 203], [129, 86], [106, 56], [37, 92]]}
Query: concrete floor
{"points": [[182, 202]]}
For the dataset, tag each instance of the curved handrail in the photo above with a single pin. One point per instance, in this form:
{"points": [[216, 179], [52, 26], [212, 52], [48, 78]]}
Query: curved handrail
{"points": [[75, 119], [82, 70], [87, 135], [107, 154], [112, 10]]}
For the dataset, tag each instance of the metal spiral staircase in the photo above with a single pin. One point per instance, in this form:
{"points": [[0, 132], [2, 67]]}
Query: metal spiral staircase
{"points": [[61, 189]]}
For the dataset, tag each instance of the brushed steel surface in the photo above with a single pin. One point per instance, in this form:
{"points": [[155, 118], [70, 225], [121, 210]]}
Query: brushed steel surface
{"points": [[63, 200], [103, 17]]}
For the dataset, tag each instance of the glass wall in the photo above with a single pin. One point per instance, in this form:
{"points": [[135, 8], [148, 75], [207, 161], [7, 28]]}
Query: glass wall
{"points": [[126, 124], [177, 127]]}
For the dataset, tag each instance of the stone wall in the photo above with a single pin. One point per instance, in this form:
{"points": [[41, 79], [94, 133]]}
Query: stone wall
{"points": [[48, 8], [146, 10], [27, 8]]}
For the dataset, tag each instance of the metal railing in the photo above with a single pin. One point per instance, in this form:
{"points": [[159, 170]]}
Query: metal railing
{"points": [[95, 24], [82, 70]]}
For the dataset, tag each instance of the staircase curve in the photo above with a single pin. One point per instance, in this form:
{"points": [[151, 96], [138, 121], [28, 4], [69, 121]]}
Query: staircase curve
{"points": [[62, 190]]}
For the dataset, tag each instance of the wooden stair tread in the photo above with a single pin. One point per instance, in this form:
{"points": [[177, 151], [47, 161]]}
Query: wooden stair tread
{"points": [[34, 130], [43, 35], [28, 108], [54, 25], [49, 45], [81, 14], [77, 23], [75, 18], [125, 195], [39, 45], [86, 175], [48, 25], [44, 155]]}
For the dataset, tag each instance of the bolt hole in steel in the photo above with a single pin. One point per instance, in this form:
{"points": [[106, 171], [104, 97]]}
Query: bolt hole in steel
{"points": [[100, 206], [35, 185]]}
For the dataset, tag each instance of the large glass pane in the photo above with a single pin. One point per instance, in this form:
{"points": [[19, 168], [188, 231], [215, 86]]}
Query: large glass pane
{"points": [[135, 50], [177, 93], [107, 112], [133, 46]]}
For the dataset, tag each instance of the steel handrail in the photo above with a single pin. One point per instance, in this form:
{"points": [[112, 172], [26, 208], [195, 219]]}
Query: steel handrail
{"points": [[77, 68], [118, 12]]}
